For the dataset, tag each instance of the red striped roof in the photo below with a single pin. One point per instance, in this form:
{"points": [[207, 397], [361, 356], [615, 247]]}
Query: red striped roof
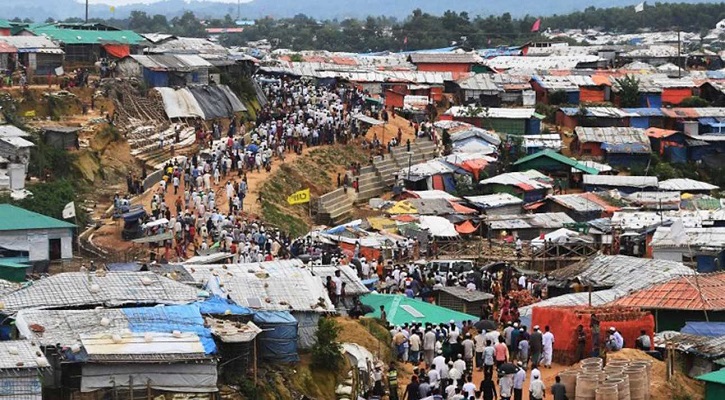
{"points": [[694, 292]]}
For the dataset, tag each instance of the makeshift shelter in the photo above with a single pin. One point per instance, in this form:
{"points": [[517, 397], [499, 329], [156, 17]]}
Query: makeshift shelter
{"points": [[686, 185], [460, 299], [266, 287], [62, 137], [21, 368], [581, 207], [109, 289], [617, 145], [279, 337], [714, 384], [438, 227], [704, 246], [610, 278], [696, 354], [38, 54], [681, 299], [354, 287], [33, 238], [89, 42], [525, 226], [497, 203], [166, 70], [625, 184], [402, 309], [165, 349], [205, 102], [529, 185]]}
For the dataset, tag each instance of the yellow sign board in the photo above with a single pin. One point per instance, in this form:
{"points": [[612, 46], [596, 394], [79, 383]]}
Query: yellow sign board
{"points": [[303, 196], [29, 114]]}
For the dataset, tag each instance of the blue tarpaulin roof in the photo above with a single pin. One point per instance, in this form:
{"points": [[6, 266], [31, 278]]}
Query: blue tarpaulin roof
{"points": [[626, 148], [274, 317], [219, 306], [702, 328], [714, 122], [168, 319]]}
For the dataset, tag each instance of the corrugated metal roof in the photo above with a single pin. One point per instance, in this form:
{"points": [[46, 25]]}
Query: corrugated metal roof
{"points": [[32, 44], [496, 113], [656, 200], [482, 82], [524, 63], [353, 284], [494, 200], [17, 141], [686, 184], [112, 289], [621, 181], [465, 294], [12, 131], [186, 45], [21, 354], [597, 112], [432, 194], [598, 298], [528, 180], [692, 293], [612, 135], [584, 202], [709, 347], [623, 273], [525, 221], [7, 48], [692, 238], [266, 286], [445, 58]]}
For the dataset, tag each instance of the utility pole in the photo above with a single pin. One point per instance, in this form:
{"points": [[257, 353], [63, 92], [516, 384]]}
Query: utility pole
{"points": [[86, 11], [679, 59]]}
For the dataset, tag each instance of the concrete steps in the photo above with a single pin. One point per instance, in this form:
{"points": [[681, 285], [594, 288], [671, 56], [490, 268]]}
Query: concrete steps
{"points": [[337, 207]]}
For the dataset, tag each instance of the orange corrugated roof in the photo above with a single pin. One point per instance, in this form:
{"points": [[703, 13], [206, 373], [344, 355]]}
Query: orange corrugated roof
{"points": [[601, 80], [466, 227], [659, 132], [596, 199], [694, 293]]}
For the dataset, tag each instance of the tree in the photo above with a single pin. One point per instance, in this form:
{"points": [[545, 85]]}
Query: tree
{"points": [[694, 101], [557, 97], [326, 352], [628, 87]]}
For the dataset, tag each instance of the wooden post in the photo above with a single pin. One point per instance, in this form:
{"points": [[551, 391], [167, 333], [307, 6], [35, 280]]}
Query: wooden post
{"points": [[148, 389], [130, 387], [255, 361]]}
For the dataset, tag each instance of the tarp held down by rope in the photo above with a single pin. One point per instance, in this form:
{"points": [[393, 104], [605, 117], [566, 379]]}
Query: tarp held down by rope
{"points": [[203, 101]]}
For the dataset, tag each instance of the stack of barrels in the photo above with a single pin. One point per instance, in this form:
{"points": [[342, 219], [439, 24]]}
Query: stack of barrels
{"points": [[620, 379]]}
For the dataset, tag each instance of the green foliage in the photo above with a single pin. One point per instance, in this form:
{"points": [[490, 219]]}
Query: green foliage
{"points": [[694, 101], [296, 57], [628, 87], [549, 111], [49, 199], [447, 142], [465, 186], [326, 352], [281, 219], [48, 162], [557, 97]]}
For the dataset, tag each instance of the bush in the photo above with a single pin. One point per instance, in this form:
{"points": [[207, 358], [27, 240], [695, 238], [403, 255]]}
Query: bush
{"points": [[326, 353], [694, 101]]}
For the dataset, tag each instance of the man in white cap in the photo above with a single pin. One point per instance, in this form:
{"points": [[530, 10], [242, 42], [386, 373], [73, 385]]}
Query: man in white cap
{"points": [[453, 332], [519, 379], [440, 362], [454, 374], [429, 345], [615, 341], [537, 389]]}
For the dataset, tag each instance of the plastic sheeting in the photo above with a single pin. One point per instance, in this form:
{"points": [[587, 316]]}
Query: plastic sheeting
{"points": [[278, 342], [117, 50], [167, 319], [219, 306], [702, 328], [180, 103], [189, 378], [438, 226]]}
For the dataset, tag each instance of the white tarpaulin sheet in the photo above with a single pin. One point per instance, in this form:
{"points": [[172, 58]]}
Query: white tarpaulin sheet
{"points": [[180, 103], [438, 226], [159, 343], [17, 242], [66, 247], [190, 378]]}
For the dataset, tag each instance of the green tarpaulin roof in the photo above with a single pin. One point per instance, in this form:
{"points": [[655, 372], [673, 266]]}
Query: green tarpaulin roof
{"points": [[560, 158], [86, 36], [402, 309], [715, 377], [15, 218]]}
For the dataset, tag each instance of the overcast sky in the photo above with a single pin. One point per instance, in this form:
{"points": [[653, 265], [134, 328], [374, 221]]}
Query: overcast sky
{"points": [[125, 2]]}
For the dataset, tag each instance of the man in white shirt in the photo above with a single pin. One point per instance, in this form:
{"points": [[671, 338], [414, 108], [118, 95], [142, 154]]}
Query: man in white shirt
{"points": [[433, 377], [519, 379], [459, 364], [429, 345], [548, 341], [537, 389], [469, 388], [414, 344], [480, 344], [454, 374], [453, 333], [439, 361]]}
